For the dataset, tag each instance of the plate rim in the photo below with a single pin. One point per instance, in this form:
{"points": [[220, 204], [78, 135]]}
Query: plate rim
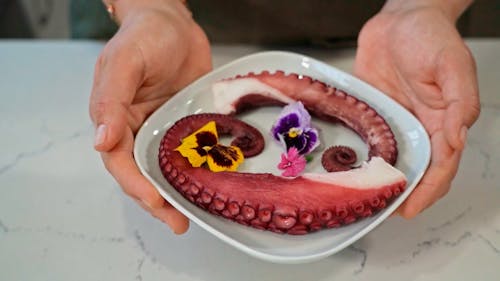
{"points": [[241, 246]]}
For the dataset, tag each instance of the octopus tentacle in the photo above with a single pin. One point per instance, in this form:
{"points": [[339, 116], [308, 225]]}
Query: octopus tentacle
{"points": [[320, 99], [246, 137], [299, 205], [338, 158]]}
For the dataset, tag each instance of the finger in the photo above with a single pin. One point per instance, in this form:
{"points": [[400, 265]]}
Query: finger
{"points": [[437, 179], [173, 218], [456, 76], [454, 126], [121, 165], [170, 216], [117, 76]]}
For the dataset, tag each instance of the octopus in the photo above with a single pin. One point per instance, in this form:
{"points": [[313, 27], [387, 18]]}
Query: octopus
{"points": [[303, 204]]}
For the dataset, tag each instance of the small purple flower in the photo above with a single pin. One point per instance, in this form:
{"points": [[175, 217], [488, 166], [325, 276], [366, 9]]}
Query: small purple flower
{"points": [[293, 129], [292, 163]]}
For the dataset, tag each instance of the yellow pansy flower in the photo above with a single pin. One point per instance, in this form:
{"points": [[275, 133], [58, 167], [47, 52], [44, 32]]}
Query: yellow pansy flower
{"points": [[203, 146]]}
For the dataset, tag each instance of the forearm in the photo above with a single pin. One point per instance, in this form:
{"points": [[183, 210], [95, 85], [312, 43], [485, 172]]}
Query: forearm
{"points": [[452, 8], [120, 9]]}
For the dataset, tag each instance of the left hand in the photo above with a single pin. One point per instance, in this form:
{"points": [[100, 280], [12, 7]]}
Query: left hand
{"points": [[158, 50], [417, 57]]}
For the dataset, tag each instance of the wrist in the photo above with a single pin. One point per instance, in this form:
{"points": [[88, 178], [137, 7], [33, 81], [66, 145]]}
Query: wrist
{"points": [[451, 9], [120, 10]]}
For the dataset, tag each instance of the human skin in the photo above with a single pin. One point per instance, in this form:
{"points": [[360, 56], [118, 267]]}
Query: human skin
{"points": [[159, 49], [412, 51]]}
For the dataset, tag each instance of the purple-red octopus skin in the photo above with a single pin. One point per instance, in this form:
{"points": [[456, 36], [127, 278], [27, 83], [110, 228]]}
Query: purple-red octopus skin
{"points": [[338, 158], [299, 205]]}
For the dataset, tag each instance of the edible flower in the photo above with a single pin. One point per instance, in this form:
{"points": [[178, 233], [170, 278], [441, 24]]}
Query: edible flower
{"points": [[203, 146], [292, 163], [293, 129]]}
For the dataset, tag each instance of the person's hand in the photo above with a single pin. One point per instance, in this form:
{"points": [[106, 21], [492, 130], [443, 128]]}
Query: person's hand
{"points": [[156, 52], [416, 56]]}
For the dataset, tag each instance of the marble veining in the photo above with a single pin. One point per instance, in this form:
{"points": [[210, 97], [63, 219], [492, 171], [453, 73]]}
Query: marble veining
{"points": [[140, 263], [364, 258], [62, 216], [452, 221], [486, 158], [49, 230], [489, 244], [466, 235], [425, 246], [142, 246], [23, 155]]}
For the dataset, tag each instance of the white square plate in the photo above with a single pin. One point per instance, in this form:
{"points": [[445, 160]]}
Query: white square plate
{"points": [[413, 146]]}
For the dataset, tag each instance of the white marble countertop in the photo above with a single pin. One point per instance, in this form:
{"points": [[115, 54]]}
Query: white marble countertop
{"points": [[62, 216]]}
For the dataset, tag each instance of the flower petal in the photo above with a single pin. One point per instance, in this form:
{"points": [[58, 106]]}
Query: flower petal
{"points": [[285, 123], [194, 146], [293, 154], [292, 163], [304, 119], [299, 142], [312, 140], [298, 166], [284, 162], [293, 129], [194, 158], [224, 158]]}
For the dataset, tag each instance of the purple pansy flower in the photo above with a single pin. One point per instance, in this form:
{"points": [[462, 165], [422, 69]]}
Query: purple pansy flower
{"points": [[293, 129]]}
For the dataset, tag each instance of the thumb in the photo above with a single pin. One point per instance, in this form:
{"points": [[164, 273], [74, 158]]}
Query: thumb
{"points": [[116, 80], [458, 80], [455, 128]]}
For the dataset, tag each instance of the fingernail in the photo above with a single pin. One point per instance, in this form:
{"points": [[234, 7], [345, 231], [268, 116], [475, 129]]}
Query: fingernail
{"points": [[100, 135], [463, 135]]}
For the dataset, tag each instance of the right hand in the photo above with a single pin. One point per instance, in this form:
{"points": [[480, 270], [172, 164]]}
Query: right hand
{"points": [[156, 52], [412, 52]]}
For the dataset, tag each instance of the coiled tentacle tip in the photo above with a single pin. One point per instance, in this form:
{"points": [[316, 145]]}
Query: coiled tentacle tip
{"points": [[302, 204]]}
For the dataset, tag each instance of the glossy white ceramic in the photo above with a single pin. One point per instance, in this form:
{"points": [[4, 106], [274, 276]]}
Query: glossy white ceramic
{"points": [[413, 146]]}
